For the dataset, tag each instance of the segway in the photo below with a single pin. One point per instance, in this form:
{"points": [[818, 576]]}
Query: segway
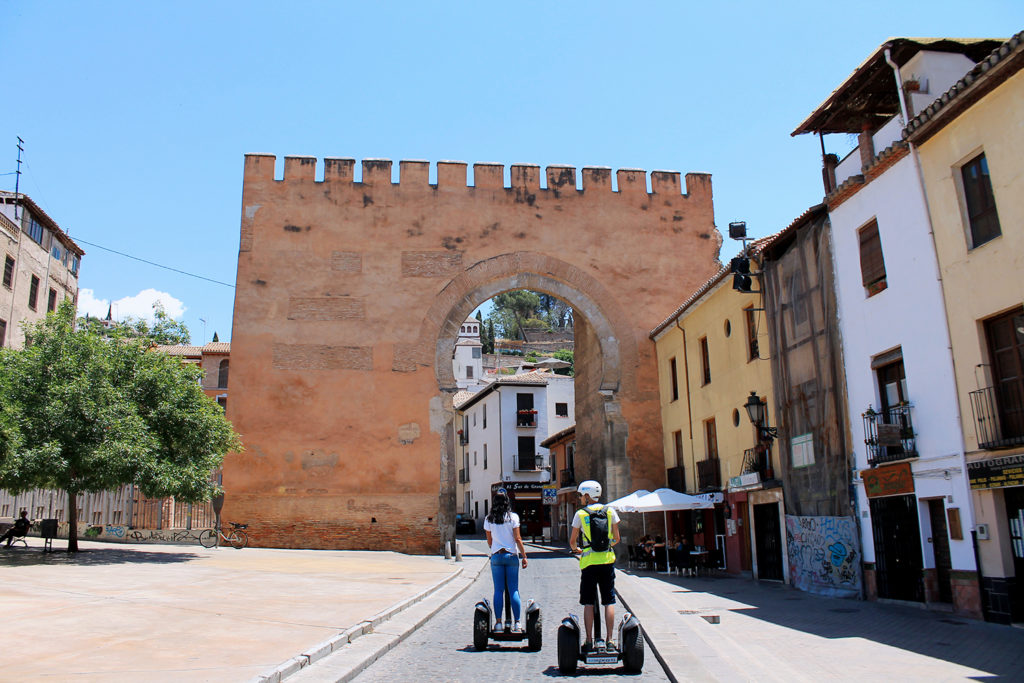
{"points": [[483, 620], [630, 644]]}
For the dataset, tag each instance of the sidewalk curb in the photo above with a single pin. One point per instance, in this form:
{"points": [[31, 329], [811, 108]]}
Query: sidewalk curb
{"points": [[650, 642], [338, 643]]}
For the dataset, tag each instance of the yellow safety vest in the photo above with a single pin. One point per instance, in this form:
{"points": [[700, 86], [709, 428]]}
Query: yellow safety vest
{"points": [[589, 556]]}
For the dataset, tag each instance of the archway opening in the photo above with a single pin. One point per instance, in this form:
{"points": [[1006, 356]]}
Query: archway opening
{"points": [[596, 448]]}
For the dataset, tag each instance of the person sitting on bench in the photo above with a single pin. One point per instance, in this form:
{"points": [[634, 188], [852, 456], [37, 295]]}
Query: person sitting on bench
{"points": [[20, 528]]}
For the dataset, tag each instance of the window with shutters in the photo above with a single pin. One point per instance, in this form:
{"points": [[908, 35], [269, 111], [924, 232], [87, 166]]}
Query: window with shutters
{"points": [[872, 265], [8, 272], [705, 362], [675, 378], [3, 333], [981, 202], [51, 301], [753, 352], [33, 293]]}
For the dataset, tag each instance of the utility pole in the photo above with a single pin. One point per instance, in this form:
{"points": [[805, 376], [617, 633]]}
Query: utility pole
{"points": [[17, 176]]}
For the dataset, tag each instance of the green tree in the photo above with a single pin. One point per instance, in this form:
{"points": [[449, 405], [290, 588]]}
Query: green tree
{"points": [[512, 310], [80, 413], [164, 330], [489, 341]]}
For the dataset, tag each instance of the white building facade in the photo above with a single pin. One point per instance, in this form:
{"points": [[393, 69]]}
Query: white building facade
{"points": [[910, 480], [467, 359], [503, 425]]}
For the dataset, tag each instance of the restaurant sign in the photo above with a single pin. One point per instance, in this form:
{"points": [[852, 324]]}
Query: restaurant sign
{"points": [[892, 480], [997, 472]]}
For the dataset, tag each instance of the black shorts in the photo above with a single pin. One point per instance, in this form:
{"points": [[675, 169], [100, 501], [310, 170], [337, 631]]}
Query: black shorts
{"points": [[594, 576]]}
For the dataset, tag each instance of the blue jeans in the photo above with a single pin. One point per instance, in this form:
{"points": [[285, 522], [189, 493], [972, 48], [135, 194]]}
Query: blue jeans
{"points": [[505, 572]]}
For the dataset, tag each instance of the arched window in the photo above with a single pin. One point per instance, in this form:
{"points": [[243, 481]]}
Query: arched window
{"points": [[222, 374]]}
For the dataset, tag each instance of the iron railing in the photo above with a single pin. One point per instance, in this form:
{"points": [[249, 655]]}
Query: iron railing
{"points": [[709, 475], [463, 476], [999, 415], [528, 463], [526, 418], [755, 460], [675, 477], [566, 477], [889, 434]]}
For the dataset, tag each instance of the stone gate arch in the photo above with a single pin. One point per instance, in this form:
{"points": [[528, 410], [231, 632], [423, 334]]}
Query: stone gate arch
{"points": [[349, 297]]}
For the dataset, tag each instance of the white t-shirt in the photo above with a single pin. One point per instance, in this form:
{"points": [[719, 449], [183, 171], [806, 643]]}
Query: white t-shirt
{"points": [[577, 521], [502, 535]]}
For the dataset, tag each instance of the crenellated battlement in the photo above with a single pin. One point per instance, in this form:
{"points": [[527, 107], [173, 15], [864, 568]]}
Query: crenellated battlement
{"points": [[450, 175]]}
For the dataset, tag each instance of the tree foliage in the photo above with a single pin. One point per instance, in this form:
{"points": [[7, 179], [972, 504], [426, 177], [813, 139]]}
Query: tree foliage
{"points": [[519, 310], [81, 413], [165, 330]]}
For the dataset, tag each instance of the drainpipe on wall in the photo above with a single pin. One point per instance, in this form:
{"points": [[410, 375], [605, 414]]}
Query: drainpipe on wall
{"points": [[899, 85]]}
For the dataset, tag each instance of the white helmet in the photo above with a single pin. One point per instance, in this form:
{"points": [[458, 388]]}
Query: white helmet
{"points": [[590, 488]]}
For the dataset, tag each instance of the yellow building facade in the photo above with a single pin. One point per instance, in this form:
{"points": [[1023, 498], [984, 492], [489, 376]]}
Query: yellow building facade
{"points": [[970, 146], [712, 353]]}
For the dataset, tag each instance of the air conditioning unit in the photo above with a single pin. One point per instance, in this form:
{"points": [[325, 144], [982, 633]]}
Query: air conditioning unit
{"points": [[982, 531]]}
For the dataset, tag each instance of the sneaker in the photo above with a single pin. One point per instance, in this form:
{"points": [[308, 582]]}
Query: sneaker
{"points": [[587, 647], [599, 645], [498, 627], [610, 646], [518, 628]]}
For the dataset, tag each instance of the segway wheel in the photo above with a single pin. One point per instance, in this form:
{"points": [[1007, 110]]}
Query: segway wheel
{"points": [[480, 629], [632, 649], [534, 632], [568, 650]]}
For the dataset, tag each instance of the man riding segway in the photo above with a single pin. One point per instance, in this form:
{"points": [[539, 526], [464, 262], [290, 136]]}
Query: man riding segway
{"points": [[595, 530], [598, 528]]}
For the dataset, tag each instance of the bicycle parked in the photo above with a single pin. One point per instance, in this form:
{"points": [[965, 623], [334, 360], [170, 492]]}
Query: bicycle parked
{"points": [[237, 537]]}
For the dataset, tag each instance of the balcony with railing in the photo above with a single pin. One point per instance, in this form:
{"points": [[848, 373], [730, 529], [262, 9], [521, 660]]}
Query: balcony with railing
{"points": [[999, 415], [566, 477], [463, 438], [526, 418], [889, 434], [463, 476], [709, 475], [755, 461], [675, 477], [528, 463]]}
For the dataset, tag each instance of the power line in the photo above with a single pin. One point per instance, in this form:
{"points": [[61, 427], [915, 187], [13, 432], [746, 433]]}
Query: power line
{"points": [[152, 263]]}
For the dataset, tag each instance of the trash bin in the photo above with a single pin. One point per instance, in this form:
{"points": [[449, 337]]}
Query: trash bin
{"points": [[48, 530]]}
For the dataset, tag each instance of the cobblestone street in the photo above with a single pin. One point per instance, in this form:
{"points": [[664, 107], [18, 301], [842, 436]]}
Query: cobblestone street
{"points": [[443, 648]]}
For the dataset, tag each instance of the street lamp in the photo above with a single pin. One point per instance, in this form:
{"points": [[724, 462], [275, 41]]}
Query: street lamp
{"points": [[757, 411]]}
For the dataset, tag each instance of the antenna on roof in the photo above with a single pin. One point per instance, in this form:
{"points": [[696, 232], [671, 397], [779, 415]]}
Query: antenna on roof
{"points": [[17, 175]]}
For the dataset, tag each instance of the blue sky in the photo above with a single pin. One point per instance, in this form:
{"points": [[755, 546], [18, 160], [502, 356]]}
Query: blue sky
{"points": [[136, 115]]}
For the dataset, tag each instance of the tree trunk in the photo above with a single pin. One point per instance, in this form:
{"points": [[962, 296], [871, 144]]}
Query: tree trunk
{"points": [[72, 522]]}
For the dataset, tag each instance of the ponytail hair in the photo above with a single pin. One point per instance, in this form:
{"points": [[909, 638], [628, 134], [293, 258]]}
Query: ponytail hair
{"points": [[500, 508]]}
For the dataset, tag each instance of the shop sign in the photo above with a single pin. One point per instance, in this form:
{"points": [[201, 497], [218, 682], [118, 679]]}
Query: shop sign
{"points": [[744, 482], [511, 486], [892, 480], [997, 472], [550, 495]]}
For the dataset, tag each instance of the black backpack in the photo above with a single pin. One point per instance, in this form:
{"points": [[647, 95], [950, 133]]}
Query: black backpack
{"points": [[599, 541]]}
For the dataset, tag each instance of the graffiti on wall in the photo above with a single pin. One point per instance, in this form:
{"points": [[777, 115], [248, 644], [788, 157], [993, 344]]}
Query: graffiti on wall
{"points": [[824, 555], [123, 534]]}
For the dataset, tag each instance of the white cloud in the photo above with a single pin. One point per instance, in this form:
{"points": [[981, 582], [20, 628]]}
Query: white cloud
{"points": [[138, 306]]}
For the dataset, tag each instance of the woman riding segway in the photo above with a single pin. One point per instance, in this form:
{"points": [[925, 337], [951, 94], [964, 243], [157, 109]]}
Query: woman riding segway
{"points": [[506, 549]]}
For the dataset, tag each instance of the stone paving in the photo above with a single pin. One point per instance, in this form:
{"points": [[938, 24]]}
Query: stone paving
{"points": [[118, 612], [170, 613], [442, 650]]}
